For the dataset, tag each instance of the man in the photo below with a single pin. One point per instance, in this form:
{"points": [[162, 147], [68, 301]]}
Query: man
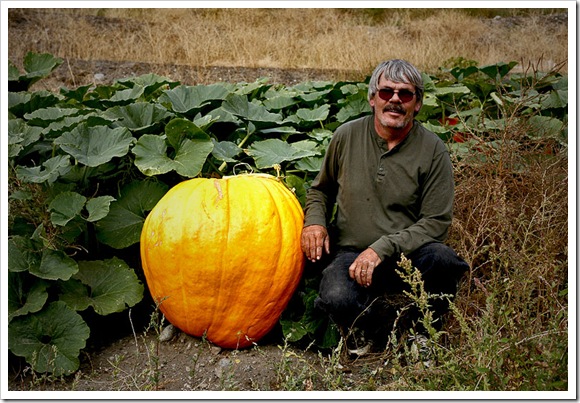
{"points": [[392, 182]]}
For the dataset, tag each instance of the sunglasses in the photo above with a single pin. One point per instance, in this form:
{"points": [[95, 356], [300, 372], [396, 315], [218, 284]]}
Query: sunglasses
{"points": [[404, 95]]}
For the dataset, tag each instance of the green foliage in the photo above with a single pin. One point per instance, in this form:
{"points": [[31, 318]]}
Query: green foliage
{"points": [[86, 165], [36, 66]]}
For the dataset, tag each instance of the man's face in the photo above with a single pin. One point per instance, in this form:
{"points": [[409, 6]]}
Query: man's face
{"points": [[396, 113]]}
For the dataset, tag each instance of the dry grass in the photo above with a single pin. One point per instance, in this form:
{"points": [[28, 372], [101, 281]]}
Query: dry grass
{"points": [[343, 39]]}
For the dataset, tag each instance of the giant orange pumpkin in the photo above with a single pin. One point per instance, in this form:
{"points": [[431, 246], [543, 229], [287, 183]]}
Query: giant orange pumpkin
{"points": [[223, 256]]}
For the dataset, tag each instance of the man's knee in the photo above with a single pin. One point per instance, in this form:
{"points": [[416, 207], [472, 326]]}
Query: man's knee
{"points": [[440, 266]]}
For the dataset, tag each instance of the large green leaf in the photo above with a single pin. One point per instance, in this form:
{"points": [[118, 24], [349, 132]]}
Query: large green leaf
{"points": [[239, 105], [111, 286], [191, 145], [151, 155], [190, 99], [43, 117], [22, 103], [546, 127], [122, 226], [50, 340], [314, 115], [93, 146], [356, 107], [270, 152], [138, 116]]}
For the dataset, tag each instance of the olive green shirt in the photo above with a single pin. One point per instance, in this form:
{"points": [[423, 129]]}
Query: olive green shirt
{"points": [[392, 201]]}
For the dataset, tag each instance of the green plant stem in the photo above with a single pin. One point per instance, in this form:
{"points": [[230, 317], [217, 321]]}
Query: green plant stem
{"points": [[244, 140]]}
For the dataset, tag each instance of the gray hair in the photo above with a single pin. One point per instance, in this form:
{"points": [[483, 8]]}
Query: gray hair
{"points": [[398, 71]]}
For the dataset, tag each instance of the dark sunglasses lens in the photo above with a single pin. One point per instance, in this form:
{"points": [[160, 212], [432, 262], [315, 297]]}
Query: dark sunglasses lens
{"points": [[386, 94], [404, 95]]}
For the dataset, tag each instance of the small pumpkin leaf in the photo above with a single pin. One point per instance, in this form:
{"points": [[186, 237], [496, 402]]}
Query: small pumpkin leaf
{"points": [[49, 172], [293, 331], [55, 265], [66, 206], [225, 150], [191, 156], [258, 114], [177, 130], [20, 254], [25, 296], [50, 340], [98, 207], [354, 108]]}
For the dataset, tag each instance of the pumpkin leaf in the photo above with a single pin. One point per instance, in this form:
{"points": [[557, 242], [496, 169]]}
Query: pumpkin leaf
{"points": [[356, 107], [191, 144], [75, 294], [25, 296], [50, 340], [314, 115], [238, 105], [98, 207], [66, 206], [188, 99], [151, 155], [55, 265], [225, 150], [122, 226], [94, 146], [109, 286], [293, 331], [20, 254], [49, 172], [138, 117], [20, 135], [270, 152]]}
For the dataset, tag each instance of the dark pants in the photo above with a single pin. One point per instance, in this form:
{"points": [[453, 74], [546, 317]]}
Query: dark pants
{"points": [[343, 299]]}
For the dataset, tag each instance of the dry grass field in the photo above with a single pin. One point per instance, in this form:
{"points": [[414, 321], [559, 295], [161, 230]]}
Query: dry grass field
{"points": [[346, 42]]}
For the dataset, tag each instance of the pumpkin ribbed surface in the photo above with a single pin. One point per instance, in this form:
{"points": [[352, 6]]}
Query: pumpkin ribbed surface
{"points": [[223, 256]]}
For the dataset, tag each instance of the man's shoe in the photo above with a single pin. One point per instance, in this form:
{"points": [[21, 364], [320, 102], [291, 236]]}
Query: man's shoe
{"points": [[361, 351], [420, 350]]}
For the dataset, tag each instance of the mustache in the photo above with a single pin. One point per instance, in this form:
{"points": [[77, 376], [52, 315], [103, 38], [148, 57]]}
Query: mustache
{"points": [[394, 108]]}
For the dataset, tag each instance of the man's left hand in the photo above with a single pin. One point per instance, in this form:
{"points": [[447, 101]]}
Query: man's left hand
{"points": [[361, 270]]}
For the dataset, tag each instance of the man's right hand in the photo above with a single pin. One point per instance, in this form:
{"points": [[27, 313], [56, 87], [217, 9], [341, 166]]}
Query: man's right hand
{"points": [[315, 240]]}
